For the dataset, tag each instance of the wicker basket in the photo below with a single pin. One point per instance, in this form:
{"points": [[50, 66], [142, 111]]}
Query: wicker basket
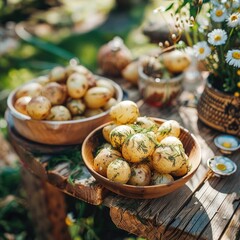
{"points": [[219, 111]]}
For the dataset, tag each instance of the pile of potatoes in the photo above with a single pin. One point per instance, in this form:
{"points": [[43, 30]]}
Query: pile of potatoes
{"points": [[66, 93], [138, 151]]}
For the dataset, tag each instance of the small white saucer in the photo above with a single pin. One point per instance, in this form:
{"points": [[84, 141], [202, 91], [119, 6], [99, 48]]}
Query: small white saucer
{"points": [[227, 143], [221, 165]]}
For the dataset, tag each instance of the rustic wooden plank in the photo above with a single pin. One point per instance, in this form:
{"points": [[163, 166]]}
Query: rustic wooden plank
{"points": [[227, 208], [201, 216], [47, 208], [233, 229], [85, 188]]}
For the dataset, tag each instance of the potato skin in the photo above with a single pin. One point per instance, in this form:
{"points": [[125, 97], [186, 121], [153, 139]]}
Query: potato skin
{"points": [[183, 169], [110, 103], [76, 106], [146, 123], [124, 112], [105, 83], [176, 61], [140, 175], [97, 97], [59, 113], [32, 89], [137, 147], [119, 171], [80, 69], [119, 134], [169, 156], [106, 131], [55, 92], [168, 128], [58, 74], [77, 85], [38, 108], [161, 178], [21, 104], [104, 158]]}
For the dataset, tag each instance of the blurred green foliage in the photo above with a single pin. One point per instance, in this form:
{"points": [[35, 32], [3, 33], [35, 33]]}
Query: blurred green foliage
{"points": [[14, 219]]}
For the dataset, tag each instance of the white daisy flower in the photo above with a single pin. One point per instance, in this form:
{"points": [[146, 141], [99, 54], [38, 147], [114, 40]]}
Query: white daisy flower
{"points": [[202, 50], [217, 37], [233, 58], [218, 14], [233, 20], [235, 3]]}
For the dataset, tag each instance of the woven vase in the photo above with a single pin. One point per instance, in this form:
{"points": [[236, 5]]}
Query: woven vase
{"points": [[219, 111]]}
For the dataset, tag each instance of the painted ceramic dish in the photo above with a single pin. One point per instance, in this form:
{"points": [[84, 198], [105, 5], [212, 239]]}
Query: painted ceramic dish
{"points": [[221, 165], [227, 143]]}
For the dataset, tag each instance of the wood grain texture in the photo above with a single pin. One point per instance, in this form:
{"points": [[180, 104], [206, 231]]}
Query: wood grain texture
{"points": [[46, 204], [205, 208]]}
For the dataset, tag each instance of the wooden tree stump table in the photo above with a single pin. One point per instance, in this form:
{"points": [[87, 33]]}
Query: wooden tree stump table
{"points": [[207, 207]]}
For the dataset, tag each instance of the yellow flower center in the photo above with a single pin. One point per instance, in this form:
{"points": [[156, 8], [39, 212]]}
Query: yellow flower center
{"points": [[227, 144], [238, 73], [201, 50], [219, 13], [233, 18], [238, 84], [221, 166], [236, 55], [217, 37]]}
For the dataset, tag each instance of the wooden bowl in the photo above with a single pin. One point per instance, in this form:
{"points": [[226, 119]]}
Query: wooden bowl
{"points": [[57, 132], [192, 149]]}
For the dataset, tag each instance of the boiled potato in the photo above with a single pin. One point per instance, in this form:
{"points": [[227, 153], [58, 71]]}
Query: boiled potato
{"points": [[119, 171], [92, 112], [76, 106], [161, 178], [77, 85], [43, 80], [124, 112], [58, 74], [59, 113], [183, 169], [32, 89], [137, 147], [176, 61], [106, 131], [104, 158], [169, 156], [130, 72], [21, 104], [97, 97], [55, 92], [140, 175], [80, 69], [39, 107], [119, 134], [171, 140], [105, 83], [145, 123], [168, 128], [111, 102]]}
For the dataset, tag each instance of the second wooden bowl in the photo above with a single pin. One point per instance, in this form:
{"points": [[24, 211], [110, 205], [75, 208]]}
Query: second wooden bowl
{"points": [[192, 149], [57, 132]]}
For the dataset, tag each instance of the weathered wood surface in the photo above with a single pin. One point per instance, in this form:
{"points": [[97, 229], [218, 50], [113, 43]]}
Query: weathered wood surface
{"points": [[207, 207], [47, 208]]}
